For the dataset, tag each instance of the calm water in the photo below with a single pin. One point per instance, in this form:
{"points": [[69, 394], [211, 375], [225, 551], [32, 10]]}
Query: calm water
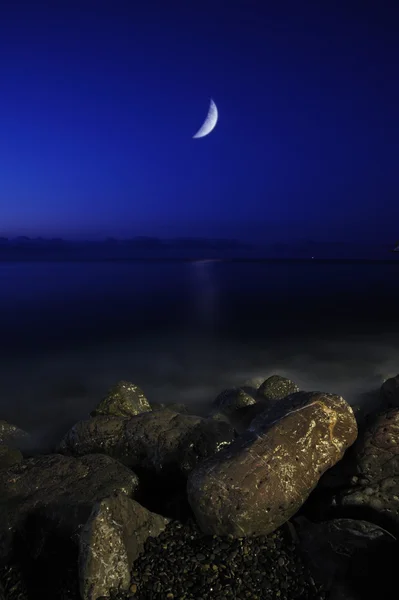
{"points": [[185, 331]]}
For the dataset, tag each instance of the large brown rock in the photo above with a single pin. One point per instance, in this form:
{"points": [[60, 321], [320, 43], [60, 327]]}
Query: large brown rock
{"points": [[262, 479], [110, 542], [125, 399], [58, 492], [155, 441]]}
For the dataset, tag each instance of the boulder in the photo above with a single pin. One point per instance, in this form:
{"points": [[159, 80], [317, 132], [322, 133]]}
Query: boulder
{"points": [[263, 478], [110, 541], [389, 393], [55, 494], [377, 502], [241, 418], [231, 399], [160, 441], [376, 452], [276, 388], [272, 411], [125, 399], [9, 456], [349, 558], [102, 435], [241, 406], [11, 435]]}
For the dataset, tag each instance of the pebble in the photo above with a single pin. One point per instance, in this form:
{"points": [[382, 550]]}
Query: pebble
{"points": [[198, 567]]}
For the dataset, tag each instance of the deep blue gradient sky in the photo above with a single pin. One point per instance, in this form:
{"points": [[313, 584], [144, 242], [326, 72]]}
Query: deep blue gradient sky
{"points": [[99, 101]]}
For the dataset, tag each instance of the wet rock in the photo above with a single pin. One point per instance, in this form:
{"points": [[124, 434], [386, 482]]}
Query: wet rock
{"points": [[349, 558], [230, 400], [242, 418], [55, 494], [378, 503], [125, 399], [276, 388], [110, 542], [203, 441], [160, 441], [102, 435], [377, 450], [272, 411], [389, 393], [11, 435], [9, 456], [263, 478]]}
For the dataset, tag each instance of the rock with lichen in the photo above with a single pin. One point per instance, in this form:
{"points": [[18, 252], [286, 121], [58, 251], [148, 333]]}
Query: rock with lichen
{"points": [[263, 478], [110, 541], [125, 399]]}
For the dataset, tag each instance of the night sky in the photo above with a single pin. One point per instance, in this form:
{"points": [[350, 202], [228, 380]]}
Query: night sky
{"points": [[99, 101]]}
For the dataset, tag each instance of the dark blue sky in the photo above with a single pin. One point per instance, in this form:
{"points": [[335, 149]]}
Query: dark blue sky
{"points": [[99, 101]]}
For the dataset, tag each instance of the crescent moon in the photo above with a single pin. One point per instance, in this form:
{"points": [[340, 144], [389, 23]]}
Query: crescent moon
{"points": [[209, 123]]}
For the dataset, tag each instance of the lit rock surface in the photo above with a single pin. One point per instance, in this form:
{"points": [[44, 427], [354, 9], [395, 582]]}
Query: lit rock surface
{"points": [[58, 492], [264, 477], [155, 440], [276, 388], [125, 399], [110, 541]]}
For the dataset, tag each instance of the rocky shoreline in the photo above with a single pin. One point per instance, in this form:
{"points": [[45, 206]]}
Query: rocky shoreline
{"points": [[278, 493]]}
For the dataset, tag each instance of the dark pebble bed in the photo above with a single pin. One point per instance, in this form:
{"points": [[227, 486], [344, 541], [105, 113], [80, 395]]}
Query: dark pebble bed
{"points": [[183, 564]]}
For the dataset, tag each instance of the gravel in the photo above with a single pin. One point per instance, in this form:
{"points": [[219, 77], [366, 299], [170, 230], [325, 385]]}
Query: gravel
{"points": [[183, 564]]}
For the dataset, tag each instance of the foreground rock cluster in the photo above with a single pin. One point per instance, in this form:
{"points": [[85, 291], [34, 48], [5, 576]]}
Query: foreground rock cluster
{"points": [[276, 494]]}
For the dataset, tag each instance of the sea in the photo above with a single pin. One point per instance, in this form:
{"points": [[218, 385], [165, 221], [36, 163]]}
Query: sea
{"points": [[184, 331]]}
